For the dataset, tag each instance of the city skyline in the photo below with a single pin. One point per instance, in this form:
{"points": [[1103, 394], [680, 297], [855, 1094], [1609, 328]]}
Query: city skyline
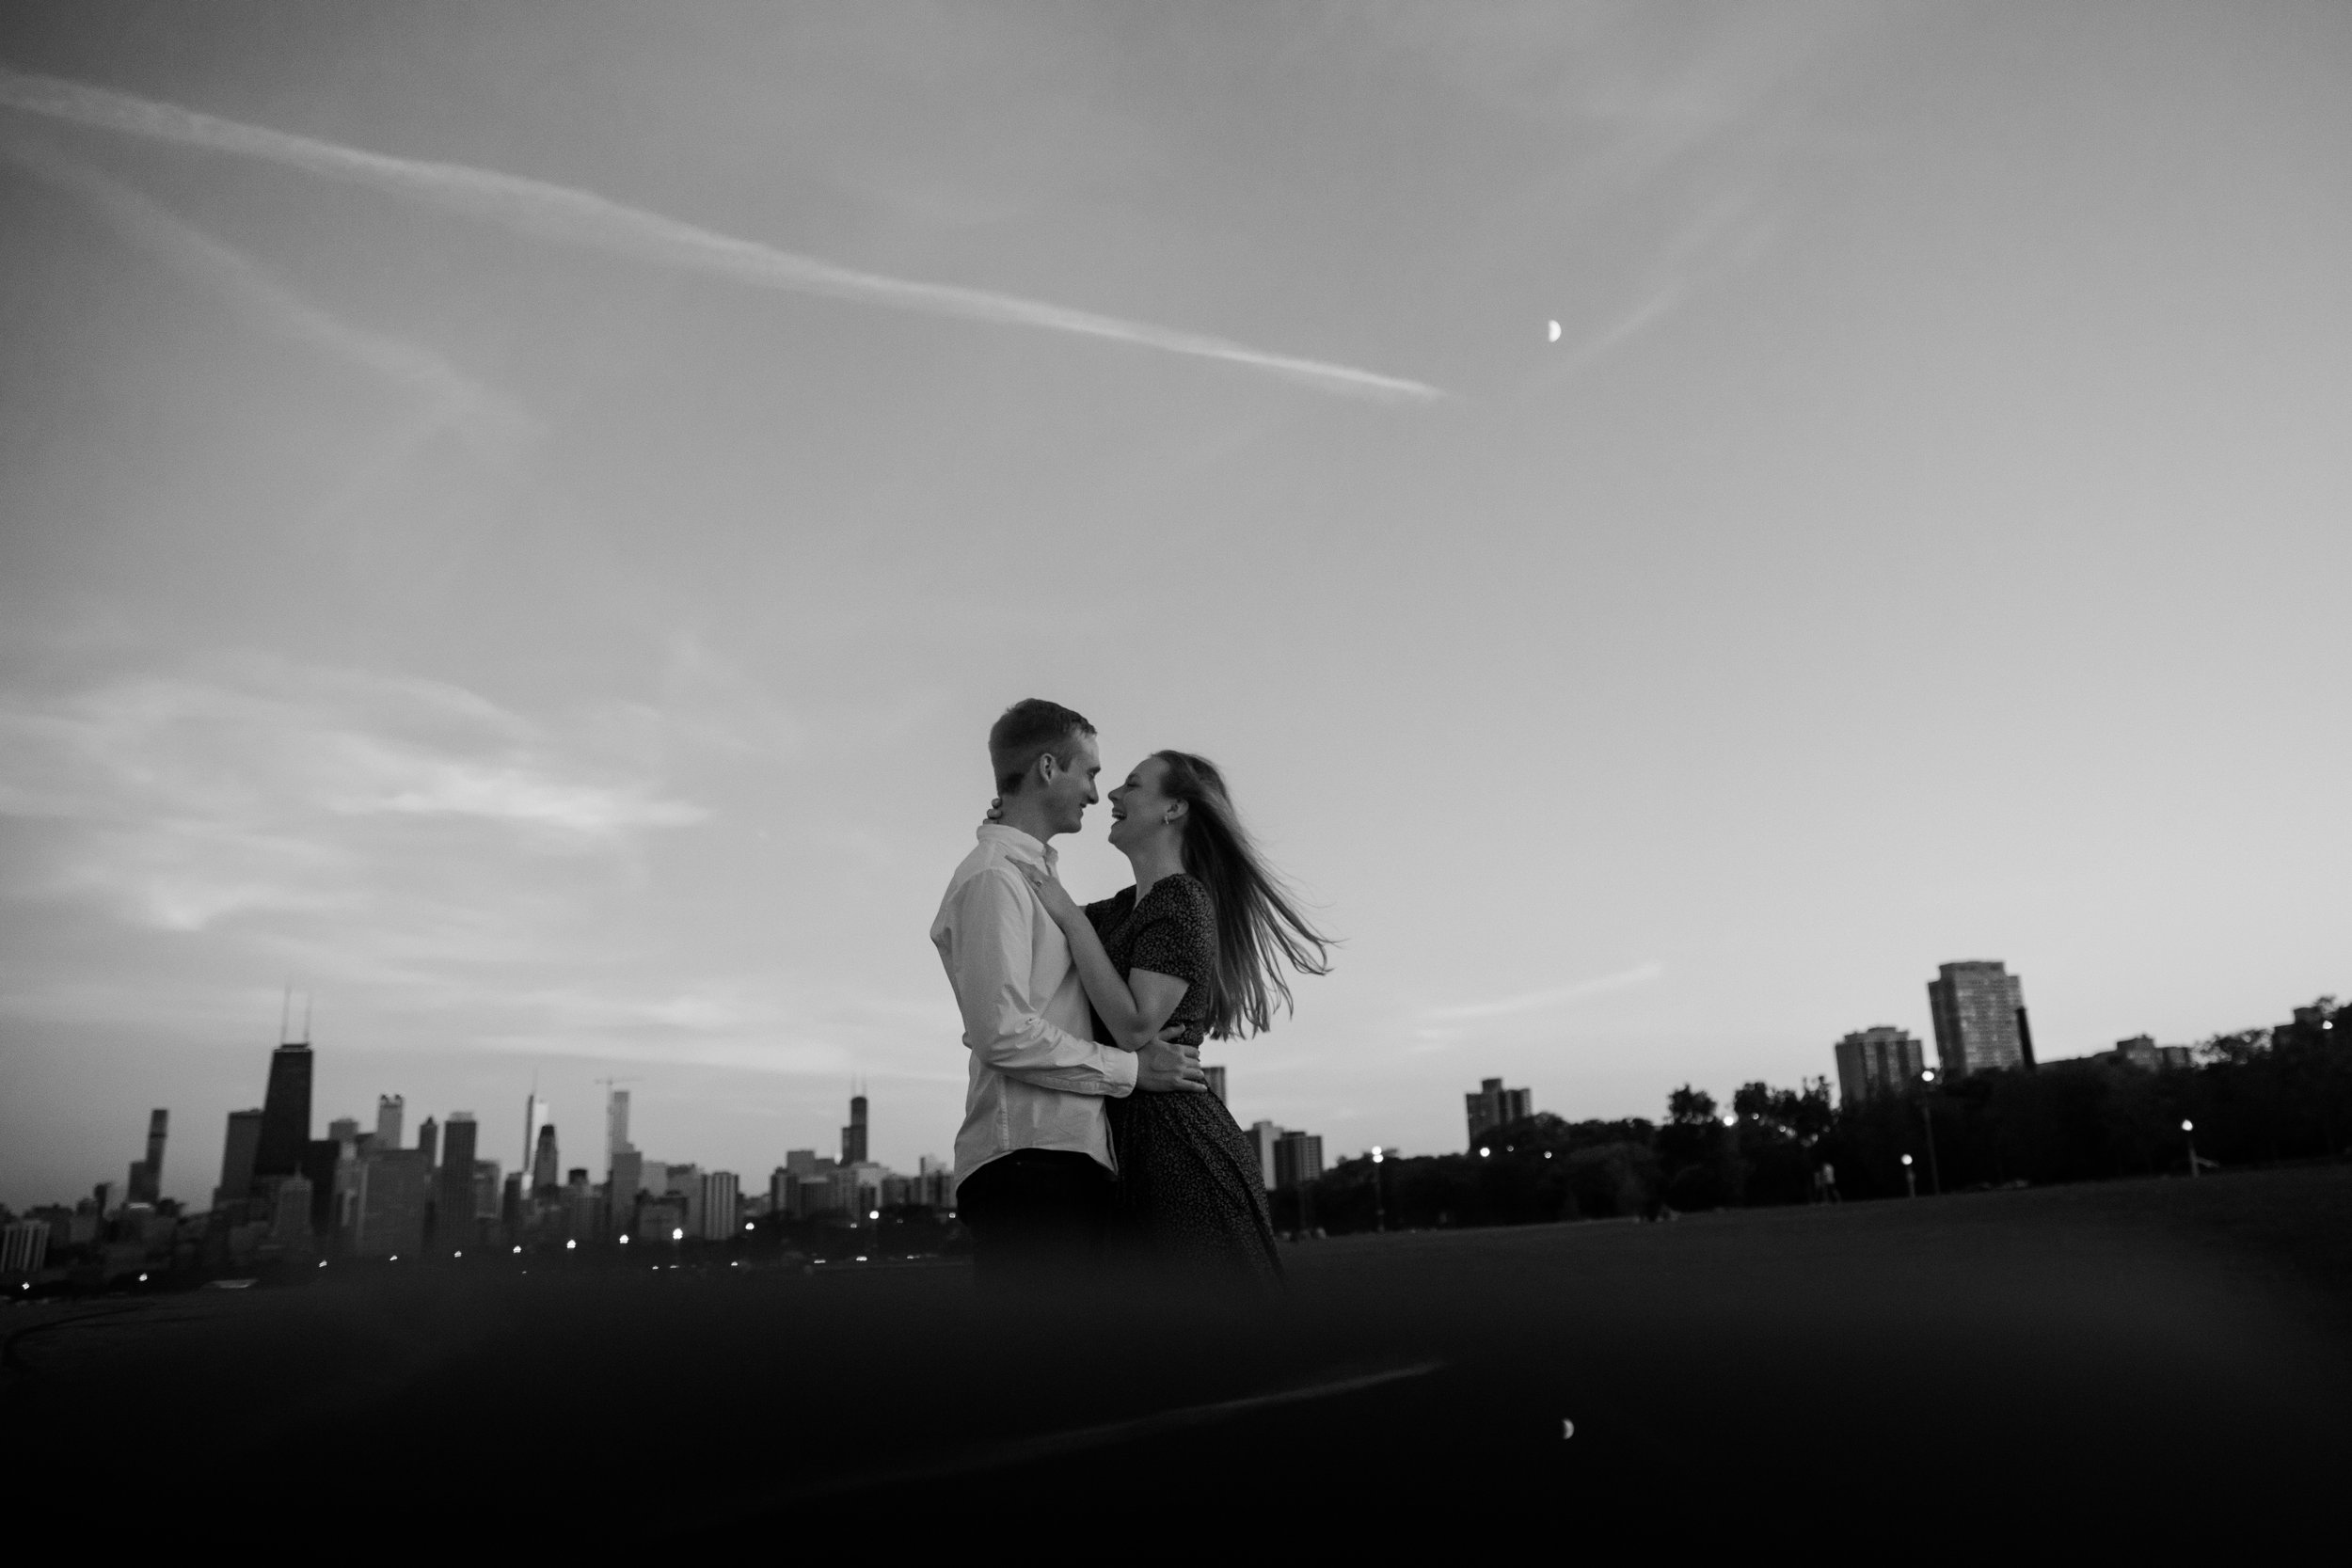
{"points": [[568, 656]]}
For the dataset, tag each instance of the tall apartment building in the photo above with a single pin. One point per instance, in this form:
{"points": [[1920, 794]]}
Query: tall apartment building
{"points": [[1297, 1159], [23, 1247], [622, 1187], [713, 1205], [1878, 1060], [1979, 1013], [1495, 1106], [392, 1112], [1263, 1135], [617, 1125], [429, 1142]]}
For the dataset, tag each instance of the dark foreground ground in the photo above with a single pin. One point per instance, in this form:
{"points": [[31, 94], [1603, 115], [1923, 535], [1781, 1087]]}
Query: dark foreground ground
{"points": [[2113, 1362]]}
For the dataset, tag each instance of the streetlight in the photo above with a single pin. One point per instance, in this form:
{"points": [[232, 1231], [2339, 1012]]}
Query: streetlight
{"points": [[1910, 1177], [1379, 1205], [1935, 1170], [2188, 1130]]}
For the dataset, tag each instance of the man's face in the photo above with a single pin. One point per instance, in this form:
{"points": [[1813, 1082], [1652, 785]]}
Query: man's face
{"points": [[1068, 791]]}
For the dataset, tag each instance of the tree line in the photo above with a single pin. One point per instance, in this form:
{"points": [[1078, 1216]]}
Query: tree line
{"points": [[2253, 1097]]}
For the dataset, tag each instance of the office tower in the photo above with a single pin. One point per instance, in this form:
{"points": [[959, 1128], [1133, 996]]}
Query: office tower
{"points": [[321, 1158], [627, 1181], [285, 1111], [1494, 1106], [579, 1205], [290, 1213], [343, 1130], [854, 1135], [715, 1206], [537, 1114], [653, 1176], [237, 1149], [487, 1188], [1881, 1059], [390, 1112], [453, 1202], [1216, 1081], [1263, 1138], [1297, 1159], [615, 1124], [23, 1247], [388, 1205], [800, 1161], [1979, 1013], [429, 1142], [546, 1171], [782, 1192], [145, 1181]]}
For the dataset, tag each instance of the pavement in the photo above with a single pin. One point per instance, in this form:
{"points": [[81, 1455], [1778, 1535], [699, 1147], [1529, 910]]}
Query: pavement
{"points": [[2111, 1362]]}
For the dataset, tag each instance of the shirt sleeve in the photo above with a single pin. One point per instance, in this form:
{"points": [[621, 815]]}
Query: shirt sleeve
{"points": [[991, 955]]}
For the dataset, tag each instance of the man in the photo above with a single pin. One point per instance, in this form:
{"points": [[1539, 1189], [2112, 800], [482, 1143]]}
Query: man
{"points": [[1033, 1166]]}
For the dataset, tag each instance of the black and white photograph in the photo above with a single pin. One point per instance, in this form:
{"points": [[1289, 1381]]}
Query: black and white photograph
{"points": [[1044, 778]]}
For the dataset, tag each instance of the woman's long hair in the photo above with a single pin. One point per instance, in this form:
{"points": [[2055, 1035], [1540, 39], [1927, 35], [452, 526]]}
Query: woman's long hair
{"points": [[1259, 928]]}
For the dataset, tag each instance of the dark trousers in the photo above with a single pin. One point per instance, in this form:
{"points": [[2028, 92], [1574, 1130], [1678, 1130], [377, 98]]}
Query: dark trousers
{"points": [[1037, 1217]]}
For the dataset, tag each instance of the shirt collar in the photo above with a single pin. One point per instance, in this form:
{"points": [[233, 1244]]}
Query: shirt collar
{"points": [[1020, 845]]}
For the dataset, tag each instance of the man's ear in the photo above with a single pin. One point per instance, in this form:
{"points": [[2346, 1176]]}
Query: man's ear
{"points": [[1044, 768]]}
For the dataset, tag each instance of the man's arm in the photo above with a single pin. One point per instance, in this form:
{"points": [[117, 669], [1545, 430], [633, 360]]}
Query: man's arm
{"points": [[990, 957]]}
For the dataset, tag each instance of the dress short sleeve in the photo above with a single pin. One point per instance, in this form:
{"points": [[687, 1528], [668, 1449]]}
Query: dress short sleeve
{"points": [[1176, 934]]}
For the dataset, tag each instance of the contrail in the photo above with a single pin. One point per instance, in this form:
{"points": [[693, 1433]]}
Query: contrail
{"points": [[582, 218], [493, 424]]}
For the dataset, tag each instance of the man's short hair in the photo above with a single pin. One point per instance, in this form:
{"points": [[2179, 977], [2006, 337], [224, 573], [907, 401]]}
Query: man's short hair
{"points": [[1028, 730]]}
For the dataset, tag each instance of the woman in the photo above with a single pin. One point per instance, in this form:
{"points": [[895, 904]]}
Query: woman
{"points": [[1199, 941]]}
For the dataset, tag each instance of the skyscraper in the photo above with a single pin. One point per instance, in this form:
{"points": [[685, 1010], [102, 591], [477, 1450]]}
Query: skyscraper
{"points": [[622, 1187], [715, 1206], [453, 1202], [1297, 1159], [537, 1113], [387, 1209], [1495, 1106], [1216, 1081], [547, 1172], [1263, 1138], [237, 1152], [429, 1142], [854, 1135], [615, 1124], [390, 1112], [285, 1111], [1979, 1013], [146, 1176], [1881, 1059]]}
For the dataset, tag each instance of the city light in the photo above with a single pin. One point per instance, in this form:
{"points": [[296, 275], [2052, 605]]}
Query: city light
{"points": [[625, 1240], [459, 1253], [570, 1245], [749, 1226], [677, 1236], [2187, 1126], [142, 1279], [875, 1215], [1731, 1119], [1906, 1159], [1484, 1153], [1376, 1155], [518, 1252]]}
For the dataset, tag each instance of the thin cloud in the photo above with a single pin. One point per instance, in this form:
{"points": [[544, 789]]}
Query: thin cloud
{"points": [[573, 217], [492, 423], [1535, 1001]]}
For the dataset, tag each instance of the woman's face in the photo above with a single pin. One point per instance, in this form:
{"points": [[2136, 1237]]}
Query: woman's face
{"points": [[1139, 810]]}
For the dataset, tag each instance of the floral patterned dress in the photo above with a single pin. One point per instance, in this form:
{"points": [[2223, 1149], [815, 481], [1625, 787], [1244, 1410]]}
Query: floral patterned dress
{"points": [[1191, 1190]]}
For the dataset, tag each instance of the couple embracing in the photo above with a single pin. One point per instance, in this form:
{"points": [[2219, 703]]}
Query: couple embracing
{"points": [[1090, 1138]]}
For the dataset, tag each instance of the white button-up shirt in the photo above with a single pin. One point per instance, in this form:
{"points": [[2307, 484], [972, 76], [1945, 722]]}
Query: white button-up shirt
{"points": [[1038, 1078]]}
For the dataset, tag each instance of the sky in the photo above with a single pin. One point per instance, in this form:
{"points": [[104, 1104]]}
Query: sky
{"points": [[519, 532]]}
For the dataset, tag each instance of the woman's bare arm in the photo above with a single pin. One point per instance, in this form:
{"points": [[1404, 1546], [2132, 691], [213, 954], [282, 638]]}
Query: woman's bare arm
{"points": [[1134, 1010]]}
